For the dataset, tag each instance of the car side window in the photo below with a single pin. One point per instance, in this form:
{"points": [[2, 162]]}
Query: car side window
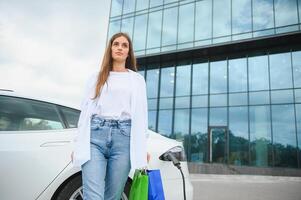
{"points": [[19, 114], [71, 116]]}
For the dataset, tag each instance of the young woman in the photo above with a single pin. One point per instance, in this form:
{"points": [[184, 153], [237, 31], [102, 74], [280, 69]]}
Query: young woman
{"points": [[112, 128]]}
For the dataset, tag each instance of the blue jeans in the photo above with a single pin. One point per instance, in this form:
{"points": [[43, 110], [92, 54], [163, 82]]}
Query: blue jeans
{"points": [[105, 174]]}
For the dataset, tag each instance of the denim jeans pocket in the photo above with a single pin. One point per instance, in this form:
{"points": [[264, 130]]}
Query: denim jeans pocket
{"points": [[125, 129]]}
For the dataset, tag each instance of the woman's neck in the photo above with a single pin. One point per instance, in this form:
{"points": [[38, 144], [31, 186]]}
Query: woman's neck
{"points": [[119, 67]]}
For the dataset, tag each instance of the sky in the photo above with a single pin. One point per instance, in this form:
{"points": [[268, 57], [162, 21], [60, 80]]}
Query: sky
{"points": [[49, 48]]}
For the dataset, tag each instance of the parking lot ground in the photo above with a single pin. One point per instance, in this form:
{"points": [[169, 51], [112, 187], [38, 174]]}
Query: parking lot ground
{"points": [[245, 187]]}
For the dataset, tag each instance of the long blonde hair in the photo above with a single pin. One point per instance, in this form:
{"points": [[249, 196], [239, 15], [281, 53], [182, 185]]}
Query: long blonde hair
{"points": [[107, 62]]}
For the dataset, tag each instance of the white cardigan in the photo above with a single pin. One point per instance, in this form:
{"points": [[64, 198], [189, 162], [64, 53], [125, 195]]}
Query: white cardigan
{"points": [[139, 122]]}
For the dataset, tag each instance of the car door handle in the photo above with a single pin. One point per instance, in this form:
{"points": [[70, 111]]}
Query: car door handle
{"points": [[54, 144]]}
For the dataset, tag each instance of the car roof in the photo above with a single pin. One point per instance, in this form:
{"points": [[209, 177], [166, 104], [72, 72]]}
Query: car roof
{"points": [[11, 93]]}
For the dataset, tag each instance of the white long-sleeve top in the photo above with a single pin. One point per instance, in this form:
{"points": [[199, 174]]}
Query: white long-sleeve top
{"points": [[139, 122], [115, 98]]}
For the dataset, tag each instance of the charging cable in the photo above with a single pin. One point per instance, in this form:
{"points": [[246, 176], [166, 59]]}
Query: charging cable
{"points": [[169, 156]]}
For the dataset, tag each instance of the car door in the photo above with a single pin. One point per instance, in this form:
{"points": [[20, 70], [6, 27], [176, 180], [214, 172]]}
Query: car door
{"points": [[34, 146]]}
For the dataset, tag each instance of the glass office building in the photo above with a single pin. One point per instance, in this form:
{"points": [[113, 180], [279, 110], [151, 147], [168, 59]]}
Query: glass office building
{"points": [[223, 76]]}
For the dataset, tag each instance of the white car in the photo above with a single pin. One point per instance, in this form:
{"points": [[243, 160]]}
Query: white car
{"points": [[35, 150]]}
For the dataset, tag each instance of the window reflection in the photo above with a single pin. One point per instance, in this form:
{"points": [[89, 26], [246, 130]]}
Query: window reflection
{"points": [[199, 135], [297, 68], [186, 20], [258, 73], [203, 20], [257, 98], [152, 116], [140, 32], [169, 31], [218, 77], [128, 6], [114, 28], [263, 15], [200, 78], [165, 122], [241, 16], [238, 75], [284, 135], [221, 18], [181, 124], [127, 26], [141, 4], [183, 80], [260, 136], [282, 96], [154, 29], [281, 72], [154, 3], [285, 12], [218, 116], [152, 79], [116, 7], [167, 82], [238, 136]]}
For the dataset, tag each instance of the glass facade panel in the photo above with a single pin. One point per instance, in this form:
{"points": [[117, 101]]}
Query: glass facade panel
{"points": [[154, 29], [127, 26], [297, 67], [238, 75], [114, 28], [260, 136], [203, 20], [200, 78], [152, 104], [140, 32], [166, 103], [241, 16], [181, 124], [257, 98], [154, 3], [298, 96], [258, 73], [281, 71], [186, 23], [238, 136], [238, 99], [152, 116], [116, 7], [200, 101], [152, 81], [285, 12], [170, 23], [282, 96], [183, 80], [218, 77], [263, 15], [128, 6], [199, 135], [167, 82], [298, 120], [182, 102], [165, 122], [221, 18], [284, 136], [142, 4], [218, 117], [218, 100]]}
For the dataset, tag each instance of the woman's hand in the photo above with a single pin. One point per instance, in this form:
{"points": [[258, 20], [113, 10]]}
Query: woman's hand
{"points": [[148, 157]]}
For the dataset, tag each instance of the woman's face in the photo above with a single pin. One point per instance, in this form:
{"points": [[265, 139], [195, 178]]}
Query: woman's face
{"points": [[120, 49]]}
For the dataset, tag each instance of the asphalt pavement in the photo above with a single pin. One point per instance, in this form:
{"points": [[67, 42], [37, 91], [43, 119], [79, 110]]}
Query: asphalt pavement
{"points": [[245, 187]]}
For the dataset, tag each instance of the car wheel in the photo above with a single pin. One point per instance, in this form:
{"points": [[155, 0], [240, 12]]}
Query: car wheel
{"points": [[73, 190]]}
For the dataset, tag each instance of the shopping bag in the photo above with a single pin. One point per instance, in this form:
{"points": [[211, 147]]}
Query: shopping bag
{"points": [[155, 187], [139, 188]]}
